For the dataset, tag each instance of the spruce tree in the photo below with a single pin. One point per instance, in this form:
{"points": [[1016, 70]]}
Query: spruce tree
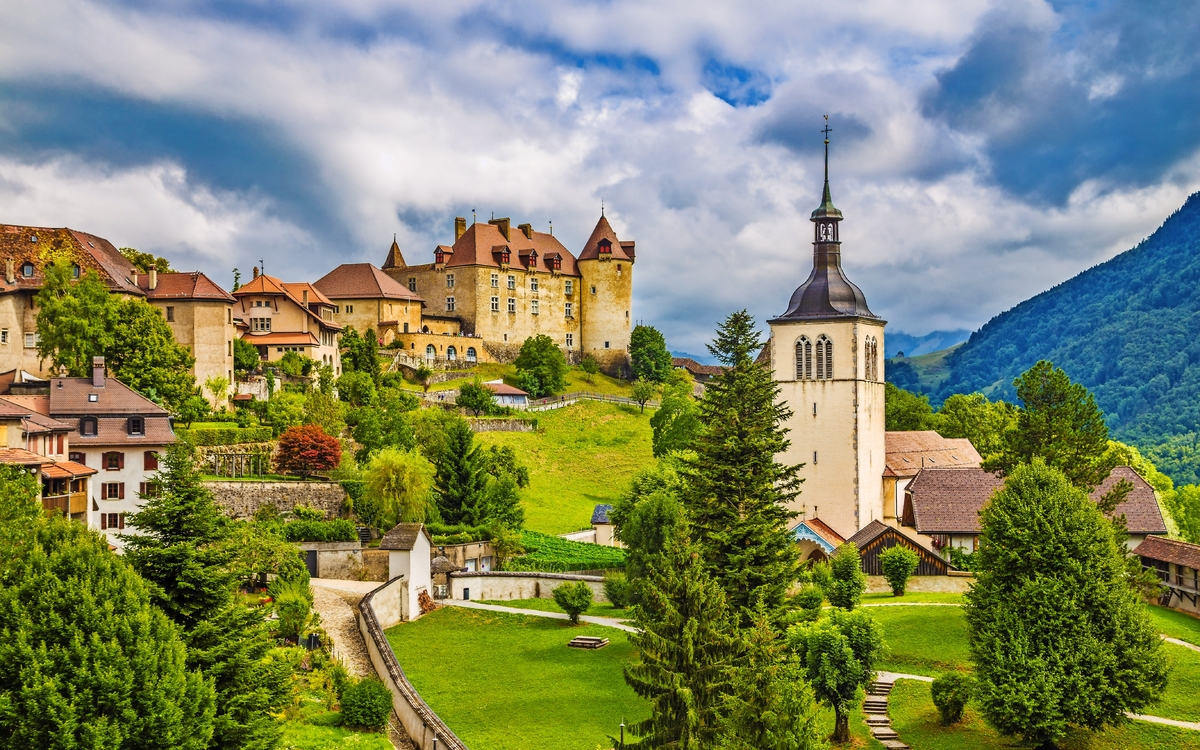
{"points": [[86, 660], [1058, 638], [185, 548], [687, 640], [738, 494], [461, 479]]}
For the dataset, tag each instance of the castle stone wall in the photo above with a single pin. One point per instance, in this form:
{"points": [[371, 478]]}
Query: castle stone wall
{"points": [[242, 499]]}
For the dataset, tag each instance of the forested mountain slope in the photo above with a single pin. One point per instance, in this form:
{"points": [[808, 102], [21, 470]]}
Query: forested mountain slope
{"points": [[1127, 329]]}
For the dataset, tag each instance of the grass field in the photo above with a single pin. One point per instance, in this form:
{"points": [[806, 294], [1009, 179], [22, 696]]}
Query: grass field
{"points": [[1176, 624], [598, 609], [509, 682], [923, 640], [581, 455], [912, 596], [931, 368], [915, 718], [309, 726], [577, 380]]}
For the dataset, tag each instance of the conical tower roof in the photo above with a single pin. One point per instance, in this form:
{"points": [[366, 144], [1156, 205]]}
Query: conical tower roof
{"points": [[395, 259], [603, 231]]}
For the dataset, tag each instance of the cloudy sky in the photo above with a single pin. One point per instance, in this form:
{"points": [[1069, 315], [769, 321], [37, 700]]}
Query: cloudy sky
{"points": [[982, 152]]}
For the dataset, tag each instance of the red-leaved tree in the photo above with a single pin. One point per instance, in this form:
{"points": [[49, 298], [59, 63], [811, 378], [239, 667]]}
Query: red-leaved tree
{"points": [[305, 449]]}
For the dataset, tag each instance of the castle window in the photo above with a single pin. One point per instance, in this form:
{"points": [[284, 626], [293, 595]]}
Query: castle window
{"points": [[470, 354], [451, 354], [824, 358], [804, 363], [75, 271], [593, 289], [170, 314], [4, 336], [570, 340], [567, 310], [512, 282], [569, 287], [605, 344], [412, 284], [512, 304], [495, 281], [533, 285], [449, 304], [449, 281], [350, 308], [430, 353], [495, 304], [533, 307]]}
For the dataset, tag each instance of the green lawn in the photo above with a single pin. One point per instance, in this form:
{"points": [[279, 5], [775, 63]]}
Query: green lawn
{"points": [[915, 718], [923, 640], [598, 609], [310, 726], [581, 455], [1176, 624], [912, 596], [509, 682], [1182, 699]]}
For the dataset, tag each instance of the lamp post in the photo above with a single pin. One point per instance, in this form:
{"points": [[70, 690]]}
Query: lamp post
{"points": [[622, 735]]}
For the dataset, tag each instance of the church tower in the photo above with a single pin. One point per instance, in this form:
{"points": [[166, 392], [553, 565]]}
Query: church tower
{"points": [[825, 351]]}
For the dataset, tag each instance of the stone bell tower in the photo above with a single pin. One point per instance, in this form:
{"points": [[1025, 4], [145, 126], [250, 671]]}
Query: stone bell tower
{"points": [[825, 351]]}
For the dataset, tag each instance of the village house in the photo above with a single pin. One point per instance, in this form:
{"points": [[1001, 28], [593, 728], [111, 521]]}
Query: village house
{"points": [[1177, 565], [200, 315], [367, 299], [42, 445], [281, 317], [506, 395]]}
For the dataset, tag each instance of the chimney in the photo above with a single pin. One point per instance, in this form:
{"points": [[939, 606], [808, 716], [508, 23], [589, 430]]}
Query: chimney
{"points": [[503, 225], [153, 278], [306, 298], [98, 372], [9, 274], [133, 276], [460, 227], [256, 272], [527, 230]]}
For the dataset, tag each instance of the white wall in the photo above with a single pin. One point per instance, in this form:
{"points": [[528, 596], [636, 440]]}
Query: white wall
{"points": [[132, 475], [518, 585]]}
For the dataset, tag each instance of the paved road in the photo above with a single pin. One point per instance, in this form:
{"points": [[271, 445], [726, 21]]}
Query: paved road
{"points": [[610, 622]]}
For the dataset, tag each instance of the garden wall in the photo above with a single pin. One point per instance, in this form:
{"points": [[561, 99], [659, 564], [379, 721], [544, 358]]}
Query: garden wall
{"points": [[342, 561], [375, 564], [381, 609], [501, 586], [951, 584], [242, 499], [485, 424]]}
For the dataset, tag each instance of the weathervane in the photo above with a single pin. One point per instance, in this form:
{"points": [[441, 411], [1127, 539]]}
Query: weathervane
{"points": [[826, 131]]}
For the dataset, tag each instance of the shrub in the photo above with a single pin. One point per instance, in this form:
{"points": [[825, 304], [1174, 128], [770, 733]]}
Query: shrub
{"points": [[809, 600], [618, 589], [303, 450], [293, 605], [847, 582], [337, 530], [225, 436], [340, 678], [898, 564], [366, 703], [458, 533], [574, 599], [951, 692]]}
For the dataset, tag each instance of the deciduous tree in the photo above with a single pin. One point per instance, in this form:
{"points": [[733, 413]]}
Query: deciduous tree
{"points": [[1058, 638], [307, 449], [643, 391], [898, 564], [847, 582], [540, 358], [839, 653], [574, 599], [648, 354], [971, 416], [401, 481], [677, 422], [476, 397], [905, 410], [245, 356]]}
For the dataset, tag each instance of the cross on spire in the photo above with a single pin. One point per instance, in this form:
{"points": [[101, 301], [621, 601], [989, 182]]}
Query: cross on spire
{"points": [[826, 130]]}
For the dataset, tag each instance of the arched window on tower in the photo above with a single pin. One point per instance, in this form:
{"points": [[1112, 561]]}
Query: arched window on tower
{"points": [[874, 358], [804, 370], [824, 358]]}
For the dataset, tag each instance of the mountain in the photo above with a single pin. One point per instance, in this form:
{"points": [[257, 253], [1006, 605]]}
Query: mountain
{"points": [[898, 342], [1127, 329]]}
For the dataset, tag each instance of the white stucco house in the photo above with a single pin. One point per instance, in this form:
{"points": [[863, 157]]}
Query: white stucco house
{"points": [[409, 548]]}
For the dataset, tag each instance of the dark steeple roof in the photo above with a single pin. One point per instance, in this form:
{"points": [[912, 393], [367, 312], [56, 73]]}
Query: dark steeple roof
{"points": [[827, 293]]}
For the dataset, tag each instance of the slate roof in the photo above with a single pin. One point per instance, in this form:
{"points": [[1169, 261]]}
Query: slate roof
{"points": [[33, 244], [868, 533], [403, 536], [908, 452], [600, 514], [362, 281], [948, 501], [1170, 550], [186, 286]]}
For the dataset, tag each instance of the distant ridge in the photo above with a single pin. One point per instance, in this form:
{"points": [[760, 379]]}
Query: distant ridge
{"points": [[895, 342], [1127, 329]]}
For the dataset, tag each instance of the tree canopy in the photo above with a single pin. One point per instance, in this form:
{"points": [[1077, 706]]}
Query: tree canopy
{"points": [[648, 354], [541, 366]]}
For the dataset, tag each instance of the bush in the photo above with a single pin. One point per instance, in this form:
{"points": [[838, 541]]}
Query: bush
{"points": [[367, 703], [293, 605], [340, 678], [457, 533], [951, 692], [618, 589], [303, 450], [848, 582], [898, 564], [337, 530], [809, 600], [574, 599]]}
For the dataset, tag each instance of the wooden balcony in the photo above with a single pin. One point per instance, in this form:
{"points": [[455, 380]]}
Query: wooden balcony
{"points": [[71, 504]]}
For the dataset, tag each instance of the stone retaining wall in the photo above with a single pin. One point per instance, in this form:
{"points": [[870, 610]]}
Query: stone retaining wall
{"points": [[242, 499], [953, 584], [500, 424], [381, 609], [503, 586], [342, 561], [375, 564]]}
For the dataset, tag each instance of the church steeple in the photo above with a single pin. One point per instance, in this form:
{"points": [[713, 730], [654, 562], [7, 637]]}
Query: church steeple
{"points": [[827, 293]]}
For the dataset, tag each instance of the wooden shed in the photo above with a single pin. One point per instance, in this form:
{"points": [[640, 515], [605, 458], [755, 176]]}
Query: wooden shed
{"points": [[876, 537]]}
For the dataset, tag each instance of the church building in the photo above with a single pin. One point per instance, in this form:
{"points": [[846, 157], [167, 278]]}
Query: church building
{"points": [[825, 353]]}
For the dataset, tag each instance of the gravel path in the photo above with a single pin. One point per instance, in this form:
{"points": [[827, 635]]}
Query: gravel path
{"points": [[610, 622], [337, 606]]}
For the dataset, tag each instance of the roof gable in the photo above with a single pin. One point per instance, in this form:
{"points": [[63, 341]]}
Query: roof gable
{"points": [[403, 537], [41, 245], [480, 245], [188, 286], [362, 281]]}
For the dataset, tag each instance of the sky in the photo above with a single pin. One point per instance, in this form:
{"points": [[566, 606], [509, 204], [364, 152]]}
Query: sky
{"points": [[981, 152]]}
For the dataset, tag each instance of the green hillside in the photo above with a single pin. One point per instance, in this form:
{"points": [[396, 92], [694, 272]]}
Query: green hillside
{"points": [[923, 373], [581, 455], [1126, 329]]}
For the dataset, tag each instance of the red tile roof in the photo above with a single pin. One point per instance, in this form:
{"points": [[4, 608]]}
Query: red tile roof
{"points": [[67, 470], [263, 285], [69, 397], [362, 281], [948, 501], [34, 244], [908, 452], [1170, 550], [193, 285], [22, 457], [478, 245], [694, 367], [604, 231], [825, 531], [503, 389]]}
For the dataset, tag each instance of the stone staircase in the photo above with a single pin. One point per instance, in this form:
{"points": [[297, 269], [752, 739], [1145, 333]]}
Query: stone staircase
{"points": [[875, 708]]}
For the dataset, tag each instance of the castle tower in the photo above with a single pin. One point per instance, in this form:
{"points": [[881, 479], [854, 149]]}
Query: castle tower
{"points": [[606, 265], [826, 354]]}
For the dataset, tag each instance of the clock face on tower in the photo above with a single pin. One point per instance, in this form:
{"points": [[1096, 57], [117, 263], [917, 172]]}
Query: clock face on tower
{"points": [[826, 231]]}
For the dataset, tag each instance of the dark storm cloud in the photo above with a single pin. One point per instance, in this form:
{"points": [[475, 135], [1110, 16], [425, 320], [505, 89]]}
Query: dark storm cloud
{"points": [[1110, 95]]}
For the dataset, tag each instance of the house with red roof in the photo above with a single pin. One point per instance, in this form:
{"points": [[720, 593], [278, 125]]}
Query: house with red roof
{"points": [[281, 317]]}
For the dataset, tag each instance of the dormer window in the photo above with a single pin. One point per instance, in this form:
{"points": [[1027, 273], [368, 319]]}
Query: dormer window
{"points": [[27, 270], [439, 257], [557, 263], [87, 427], [136, 426], [605, 247], [505, 255], [533, 259]]}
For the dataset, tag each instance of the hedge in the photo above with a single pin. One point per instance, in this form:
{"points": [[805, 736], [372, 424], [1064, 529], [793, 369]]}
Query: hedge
{"points": [[338, 530], [446, 534], [552, 554], [234, 436]]}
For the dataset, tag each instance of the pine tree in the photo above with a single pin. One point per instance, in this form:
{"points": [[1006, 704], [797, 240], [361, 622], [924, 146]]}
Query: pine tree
{"points": [[461, 480], [738, 494], [86, 660], [1058, 638], [687, 641], [185, 548]]}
